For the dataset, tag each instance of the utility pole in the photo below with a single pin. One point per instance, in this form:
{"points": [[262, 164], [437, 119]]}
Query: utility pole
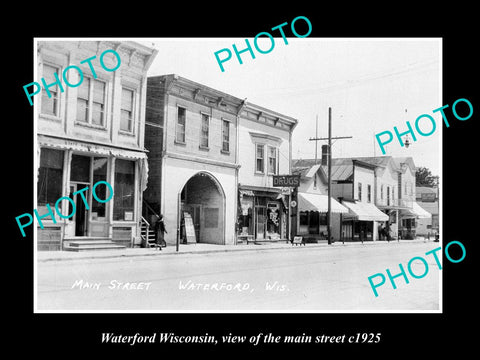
{"points": [[329, 165]]}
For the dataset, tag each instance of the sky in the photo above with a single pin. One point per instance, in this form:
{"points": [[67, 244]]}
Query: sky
{"points": [[371, 84]]}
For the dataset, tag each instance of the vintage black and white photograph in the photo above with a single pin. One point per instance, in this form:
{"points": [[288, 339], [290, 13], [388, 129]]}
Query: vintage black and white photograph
{"points": [[269, 174]]}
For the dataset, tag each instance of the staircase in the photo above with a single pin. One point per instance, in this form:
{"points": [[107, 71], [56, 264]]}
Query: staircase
{"points": [[148, 234], [91, 244]]}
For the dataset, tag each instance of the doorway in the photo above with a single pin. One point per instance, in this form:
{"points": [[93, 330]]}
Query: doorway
{"points": [[79, 221], [203, 197]]}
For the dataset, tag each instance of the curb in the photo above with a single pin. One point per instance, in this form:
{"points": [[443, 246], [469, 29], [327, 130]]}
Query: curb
{"points": [[97, 255]]}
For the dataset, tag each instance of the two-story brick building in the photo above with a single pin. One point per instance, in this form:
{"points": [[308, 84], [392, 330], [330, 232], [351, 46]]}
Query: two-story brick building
{"points": [[90, 132], [211, 158]]}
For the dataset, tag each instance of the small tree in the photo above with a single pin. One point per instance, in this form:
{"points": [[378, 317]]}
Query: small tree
{"points": [[424, 177]]}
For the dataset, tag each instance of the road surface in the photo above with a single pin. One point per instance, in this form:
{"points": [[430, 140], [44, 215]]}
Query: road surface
{"points": [[311, 279]]}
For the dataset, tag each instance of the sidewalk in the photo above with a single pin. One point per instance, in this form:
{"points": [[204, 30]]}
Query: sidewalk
{"points": [[45, 256]]}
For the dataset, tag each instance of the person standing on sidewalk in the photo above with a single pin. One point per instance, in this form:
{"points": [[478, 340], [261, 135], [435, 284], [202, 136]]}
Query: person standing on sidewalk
{"points": [[160, 231]]}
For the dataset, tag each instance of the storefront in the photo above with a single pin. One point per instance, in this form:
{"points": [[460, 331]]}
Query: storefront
{"points": [[313, 211], [362, 221], [262, 215], [66, 167], [408, 221]]}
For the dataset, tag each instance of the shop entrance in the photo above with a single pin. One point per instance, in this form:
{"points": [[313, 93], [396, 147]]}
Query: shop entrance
{"points": [[79, 221], [87, 220], [203, 198]]}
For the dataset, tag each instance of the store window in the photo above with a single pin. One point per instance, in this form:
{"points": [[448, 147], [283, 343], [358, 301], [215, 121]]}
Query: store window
{"points": [[181, 124], [50, 175], [99, 174], [124, 189], [50, 104], [245, 218], [273, 221], [126, 111], [259, 163]]}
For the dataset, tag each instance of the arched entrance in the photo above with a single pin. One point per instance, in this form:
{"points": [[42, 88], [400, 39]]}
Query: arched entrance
{"points": [[203, 198]]}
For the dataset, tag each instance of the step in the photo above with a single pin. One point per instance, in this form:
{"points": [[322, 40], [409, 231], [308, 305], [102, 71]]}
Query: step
{"points": [[88, 244], [94, 247]]}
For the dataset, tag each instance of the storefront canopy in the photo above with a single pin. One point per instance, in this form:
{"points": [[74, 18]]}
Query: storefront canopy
{"points": [[365, 211], [319, 202], [416, 211]]}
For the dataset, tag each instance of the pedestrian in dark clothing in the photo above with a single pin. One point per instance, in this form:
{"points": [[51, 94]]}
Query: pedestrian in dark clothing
{"points": [[159, 232]]}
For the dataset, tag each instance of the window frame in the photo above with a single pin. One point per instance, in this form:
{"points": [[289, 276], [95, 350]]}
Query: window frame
{"points": [[257, 158], [177, 140], [204, 115], [223, 150], [132, 119], [56, 98], [90, 104], [275, 171]]}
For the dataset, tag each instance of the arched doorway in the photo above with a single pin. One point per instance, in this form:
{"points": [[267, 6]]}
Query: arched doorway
{"points": [[203, 198]]}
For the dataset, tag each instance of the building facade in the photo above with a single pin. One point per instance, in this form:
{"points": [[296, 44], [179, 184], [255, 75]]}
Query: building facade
{"points": [[87, 133], [211, 158], [312, 220], [353, 184], [191, 134], [427, 199], [264, 150]]}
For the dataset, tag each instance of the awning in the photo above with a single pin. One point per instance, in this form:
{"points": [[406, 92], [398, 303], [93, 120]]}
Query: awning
{"points": [[365, 211], [246, 192], [79, 145], [416, 211], [319, 202]]}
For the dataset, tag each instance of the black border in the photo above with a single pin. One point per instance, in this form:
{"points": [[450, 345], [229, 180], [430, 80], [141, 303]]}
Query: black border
{"points": [[60, 335]]}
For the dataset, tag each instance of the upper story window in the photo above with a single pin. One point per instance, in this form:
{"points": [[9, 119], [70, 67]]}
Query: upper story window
{"points": [[225, 136], [91, 102], [381, 192], [369, 193], [50, 104], [126, 111], [204, 131], [360, 191], [259, 158], [180, 125], [272, 160]]}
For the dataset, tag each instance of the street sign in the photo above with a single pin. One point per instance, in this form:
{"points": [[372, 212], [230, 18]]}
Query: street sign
{"points": [[286, 180]]}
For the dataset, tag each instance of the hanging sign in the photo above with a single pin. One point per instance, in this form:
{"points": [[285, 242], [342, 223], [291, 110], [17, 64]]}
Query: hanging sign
{"points": [[286, 180]]}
